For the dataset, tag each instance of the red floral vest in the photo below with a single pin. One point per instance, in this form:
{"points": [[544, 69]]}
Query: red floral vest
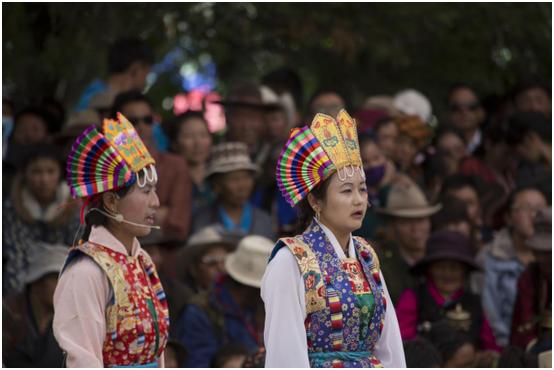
{"points": [[137, 318]]}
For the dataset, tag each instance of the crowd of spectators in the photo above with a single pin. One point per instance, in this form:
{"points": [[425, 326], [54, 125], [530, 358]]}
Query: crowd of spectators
{"points": [[460, 213]]}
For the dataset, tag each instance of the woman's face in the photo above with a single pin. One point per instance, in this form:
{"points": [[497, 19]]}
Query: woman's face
{"points": [[194, 141], [139, 205], [448, 276], [345, 204], [524, 209], [210, 266], [235, 187], [452, 144], [405, 151], [469, 196], [372, 155], [30, 129], [386, 138], [277, 125], [42, 177]]}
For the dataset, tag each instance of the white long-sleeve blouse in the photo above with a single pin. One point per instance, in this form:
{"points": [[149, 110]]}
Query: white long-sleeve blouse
{"points": [[284, 297]]}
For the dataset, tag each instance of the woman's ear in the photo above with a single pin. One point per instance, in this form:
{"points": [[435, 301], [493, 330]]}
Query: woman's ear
{"points": [[109, 199], [314, 203]]}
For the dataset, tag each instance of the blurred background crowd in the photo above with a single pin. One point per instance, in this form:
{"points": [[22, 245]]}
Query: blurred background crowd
{"points": [[459, 183]]}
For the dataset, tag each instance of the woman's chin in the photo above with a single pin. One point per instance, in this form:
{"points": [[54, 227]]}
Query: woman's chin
{"points": [[355, 225], [142, 231]]}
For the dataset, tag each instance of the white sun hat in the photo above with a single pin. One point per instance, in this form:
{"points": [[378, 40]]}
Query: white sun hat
{"points": [[248, 262]]}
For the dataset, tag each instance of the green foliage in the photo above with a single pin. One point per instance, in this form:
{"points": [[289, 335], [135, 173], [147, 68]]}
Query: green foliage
{"points": [[359, 48]]}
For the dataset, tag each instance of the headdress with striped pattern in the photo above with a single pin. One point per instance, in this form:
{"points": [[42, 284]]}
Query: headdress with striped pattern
{"points": [[101, 162], [313, 153]]}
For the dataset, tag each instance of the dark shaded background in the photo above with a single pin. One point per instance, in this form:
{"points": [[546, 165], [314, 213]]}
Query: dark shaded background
{"points": [[56, 49]]}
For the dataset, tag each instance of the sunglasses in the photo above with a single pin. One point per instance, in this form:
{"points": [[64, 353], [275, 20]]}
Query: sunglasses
{"points": [[467, 106], [145, 119]]}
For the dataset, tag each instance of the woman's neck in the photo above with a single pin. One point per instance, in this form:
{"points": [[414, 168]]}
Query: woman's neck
{"points": [[342, 237], [123, 237], [197, 171], [523, 252], [233, 211]]}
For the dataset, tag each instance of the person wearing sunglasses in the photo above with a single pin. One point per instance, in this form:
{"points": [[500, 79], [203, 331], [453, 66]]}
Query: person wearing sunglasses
{"points": [[466, 113], [175, 185]]}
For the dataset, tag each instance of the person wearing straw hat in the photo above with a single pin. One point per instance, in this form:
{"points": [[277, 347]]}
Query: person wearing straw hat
{"points": [[407, 214], [28, 337], [534, 287], [232, 312], [326, 301], [231, 174], [202, 260], [110, 307], [441, 294]]}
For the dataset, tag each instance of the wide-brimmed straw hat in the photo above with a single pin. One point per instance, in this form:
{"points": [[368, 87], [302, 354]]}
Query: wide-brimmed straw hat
{"points": [[247, 264], [247, 95], [405, 199], [228, 157], [542, 237], [46, 259], [210, 236], [447, 245]]}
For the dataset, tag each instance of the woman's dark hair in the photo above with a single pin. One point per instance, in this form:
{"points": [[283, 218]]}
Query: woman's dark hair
{"points": [[459, 181], [435, 165], [305, 211], [227, 352], [126, 51], [365, 138], [39, 151], [133, 96], [453, 210], [494, 133], [530, 82], [382, 122], [448, 129], [172, 126], [421, 353], [94, 218], [448, 339], [52, 125], [513, 356], [458, 86], [513, 195], [521, 124]]}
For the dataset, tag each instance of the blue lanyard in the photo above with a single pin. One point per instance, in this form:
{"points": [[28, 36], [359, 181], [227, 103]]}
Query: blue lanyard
{"points": [[245, 220]]}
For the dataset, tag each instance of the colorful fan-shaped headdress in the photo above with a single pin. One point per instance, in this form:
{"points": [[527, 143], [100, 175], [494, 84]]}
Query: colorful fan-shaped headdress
{"points": [[101, 162], [313, 153]]}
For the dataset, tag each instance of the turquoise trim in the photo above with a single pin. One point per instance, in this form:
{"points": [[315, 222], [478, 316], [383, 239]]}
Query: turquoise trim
{"points": [[343, 356], [152, 364]]}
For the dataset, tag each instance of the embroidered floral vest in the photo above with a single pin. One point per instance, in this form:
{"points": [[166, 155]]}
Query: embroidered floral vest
{"points": [[137, 318], [345, 304]]}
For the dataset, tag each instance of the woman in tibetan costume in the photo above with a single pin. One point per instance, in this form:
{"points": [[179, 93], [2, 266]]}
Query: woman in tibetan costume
{"points": [[326, 302], [110, 307]]}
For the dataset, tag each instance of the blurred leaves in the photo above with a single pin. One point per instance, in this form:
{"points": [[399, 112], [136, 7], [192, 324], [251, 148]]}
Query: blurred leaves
{"points": [[360, 48]]}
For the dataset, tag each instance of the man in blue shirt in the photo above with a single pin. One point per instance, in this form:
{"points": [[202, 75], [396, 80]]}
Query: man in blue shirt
{"points": [[129, 62]]}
